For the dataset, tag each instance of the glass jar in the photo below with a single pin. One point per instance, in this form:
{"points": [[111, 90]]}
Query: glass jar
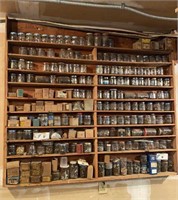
{"points": [[101, 169], [123, 162], [114, 146], [11, 150], [37, 37], [89, 39], [31, 149], [164, 166], [97, 39], [60, 39], [44, 37], [147, 119], [159, 119], [40, 52], [67, 39], [52, 38], [29, 65], [29, 37], [133, 119], [11, 135], [105, 40], [27, 134], [87, 147], [50, 53], [122, 145], [162, 144], [23, 50], [21, 36], [64, 173], [116, 167], [83, 170], [13, 64], [128, 145], [126, 119], [108, 169], [75, 40], [129, 167], [13, 77], [20, 78], [168, 119], [73, 170], [136, 167], [32, 51], [87, 120], [40, 150], [13, 36], [64, 120]]}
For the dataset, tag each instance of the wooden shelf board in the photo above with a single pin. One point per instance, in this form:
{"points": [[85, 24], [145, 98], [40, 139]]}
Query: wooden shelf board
{"points": [[131, 75], [44, 99], [137, 151], [135, 100], [135, 86], [50, 72], [99, 179], [50, 140], [84, 61], [50, 127], [132, 111], [136, 137], [36, 112], [136, 125], [100, 48], [24, 84], [49, 155]]}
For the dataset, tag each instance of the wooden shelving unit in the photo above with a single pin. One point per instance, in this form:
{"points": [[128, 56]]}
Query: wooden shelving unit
{"points": [[94, 156]]}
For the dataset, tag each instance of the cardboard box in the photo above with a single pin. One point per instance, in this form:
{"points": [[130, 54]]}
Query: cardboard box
{"points": [[13, 180], [89, 133], [13, 123], [72, 133], [137, 45], [40, 108], [51, 94], [19, 108], [73, 121], [45, 93], [12, 94], [39, 103], [24, 179], [25, 166], [46, 166], [38, 93], [11, 108], [36, 172], [25, 173], [41, 136], [59, 107], [88, 104], [20, 93], [13, 168], [25, 123], [46, 178], [61, 94], [55, 165], [23, 118], [54, 108], [80, 134], [35, 179], [36, 122], [146, 43], [69, 94], [68, 107], [48, 108], [27, 107], [33, 106]]}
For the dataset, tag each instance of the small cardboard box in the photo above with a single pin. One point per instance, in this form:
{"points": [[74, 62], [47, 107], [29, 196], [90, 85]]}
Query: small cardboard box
{"points": [[89, 133], [41, 136], [73, 121], [61, 94], [23, 118], [11, 108], [68, 107], [48, 108], [46, 167], [35, 179], [46, 178], [13, 180], [88, 104], [25, 173], [35, 172], [39, 103], [40, 108], [13, 123], [51, 94], [69, 94], [13, 168], [59, 107], [24, 179], [25, 166], [55, 165], [36, 122], [27, 107], [38, 93], [80, 134], [12, 94], [33, 106], [72, 133], [45, 93], [20, 93], [25, 123], [53, 108]]}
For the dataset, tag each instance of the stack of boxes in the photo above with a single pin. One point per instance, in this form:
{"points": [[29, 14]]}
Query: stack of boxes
{"points": [[24, 172], [36, 169], [13, 172]]}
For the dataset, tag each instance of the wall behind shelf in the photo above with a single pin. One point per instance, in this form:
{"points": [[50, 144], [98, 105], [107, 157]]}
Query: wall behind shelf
{"points": [[155, 189]]}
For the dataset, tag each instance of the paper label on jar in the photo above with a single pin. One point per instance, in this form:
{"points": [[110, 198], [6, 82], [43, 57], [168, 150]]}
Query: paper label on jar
{"points": [[162, 156]]}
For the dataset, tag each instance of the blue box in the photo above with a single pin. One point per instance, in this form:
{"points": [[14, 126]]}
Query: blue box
{"points": [[151, 157]]}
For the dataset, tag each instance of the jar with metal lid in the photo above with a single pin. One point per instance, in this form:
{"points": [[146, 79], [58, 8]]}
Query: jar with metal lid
{"points": [[160, 81], [137, 132], [169, 144], [164, 165], [133, 119], [72, 147], [29, 65], [153, 95], [116, 167], [113, 93], [64, 172], [136, 167], [57, 120], [74, 79], [29, 37], [31, 149], [129, 167], [89, 80], [113, 119], [162, 144], [99, 69], [21, 36], [13, 77], [120, 94], [64, 120], [37, 37], [83, 170], [67, 39], [108, 169], [135, 145], [30, 78], [100, 120], [120, 106], [21, 64], [23, 50], [44, 38], [126, 119], [50, 53], [106, 120], [60, 39], [46, 67], [134, 106], [48, 147], [110, 42], [166, 82], [20, 150], [20, 77], [27, 134], [167, 106], [87, 120], [52, 78], [153, 82], [105, 40], [127, 106], [40, 52], [165, 131], [122, 145], [13, 36], [157, 106], [101, 169], [11, 150], [11, 135], [168, 119], [32, 51], [141, 106], [128, 145], [150, 131], [149, 106], [106, 56], [52, 38], [112, 132], [100, 146], [106, 94], [156, 144], [147, 119], [166, 95], [106, 105], [120, 119], [113, 106], [40, 149], [159, 119], [89, 39], [112, 80], [153, 119], [73, 170], [123, 163], [170, 165], [99, 105], [160, 95], [160, 71], [87, 147], [143, 159], [13, 64], [97, 39], [120, 132], [143, 145]]}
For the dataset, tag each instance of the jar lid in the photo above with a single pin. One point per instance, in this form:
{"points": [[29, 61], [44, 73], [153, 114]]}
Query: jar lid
{"points": [[20, 33], [73, 162]]}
